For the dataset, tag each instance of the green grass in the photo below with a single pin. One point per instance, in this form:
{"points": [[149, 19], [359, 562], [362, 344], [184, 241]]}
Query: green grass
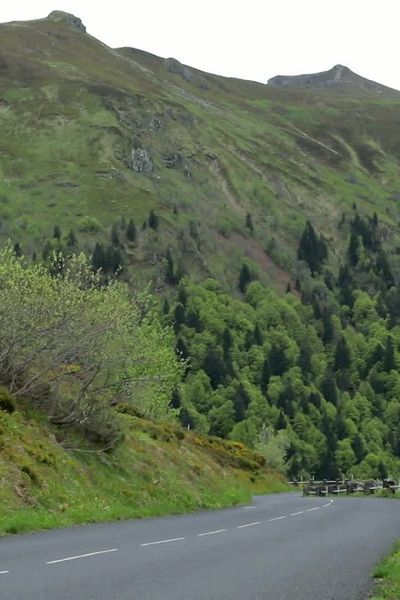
{"points": [[387, 575], [158, 469]]}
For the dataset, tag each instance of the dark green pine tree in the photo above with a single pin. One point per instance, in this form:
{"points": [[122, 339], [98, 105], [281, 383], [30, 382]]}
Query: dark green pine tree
{"points": [[352, 250], [153, 220], [329, 388], [17, 249], [99, 258], [214, 366], [312, 250], [277, 360], [258, 336], [244, 277], [359, 448], [342, 355], [47, 248], [131, 233], [304, 361], [181, 348], [265, 376], [115, 236], [282, 422], [165, 307], [389, 360], [57, 233], [249, 223], [382, 268], [176, 400], [182, 294], [240, 403], [71, 239], [346, 286], [113, 259], [170, 276], [179, 316]]}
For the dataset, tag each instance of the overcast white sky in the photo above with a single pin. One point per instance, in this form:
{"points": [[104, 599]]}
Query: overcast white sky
{"points": [[251, 39]]}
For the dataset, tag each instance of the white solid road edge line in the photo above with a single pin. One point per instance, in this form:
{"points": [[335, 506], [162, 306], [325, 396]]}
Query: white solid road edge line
{"points": [[277, 518], [211, 532], [59, 560], [163, 541], [248, 525]]}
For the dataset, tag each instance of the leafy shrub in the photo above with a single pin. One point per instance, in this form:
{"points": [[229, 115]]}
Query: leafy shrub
{"points": [[77, 348], [89, 225]]}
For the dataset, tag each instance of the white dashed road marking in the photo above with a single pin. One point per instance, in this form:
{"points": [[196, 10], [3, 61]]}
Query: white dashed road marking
{"points": [[178, 539], [249, 525], [60, 560], [163, 541], [4, 572], [211, 532]]}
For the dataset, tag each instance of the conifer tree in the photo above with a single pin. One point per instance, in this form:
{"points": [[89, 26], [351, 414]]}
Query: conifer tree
{"points": [[153, 220], [47, 248], [17, 249], [170, 276], [115, 236], [71, 239], [131, 232], [342, 355], [389, 361], [176, 400], [249, 223], [312, 250], [57, 233], [244, 277], [99, 257], [166, 307], [352, 251]]}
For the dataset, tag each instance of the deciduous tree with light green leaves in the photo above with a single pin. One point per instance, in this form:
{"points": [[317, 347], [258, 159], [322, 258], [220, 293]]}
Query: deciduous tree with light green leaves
{"points": [[77, 346]]}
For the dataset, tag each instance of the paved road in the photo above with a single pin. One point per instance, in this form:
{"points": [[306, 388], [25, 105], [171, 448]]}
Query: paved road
{"points": [[281, 547]]}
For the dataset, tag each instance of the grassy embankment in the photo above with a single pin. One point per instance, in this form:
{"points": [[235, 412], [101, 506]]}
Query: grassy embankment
{"points": [[158, 469]]}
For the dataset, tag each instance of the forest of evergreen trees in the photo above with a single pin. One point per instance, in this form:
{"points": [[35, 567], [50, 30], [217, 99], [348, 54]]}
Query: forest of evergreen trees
{"points": [[315, 373]]}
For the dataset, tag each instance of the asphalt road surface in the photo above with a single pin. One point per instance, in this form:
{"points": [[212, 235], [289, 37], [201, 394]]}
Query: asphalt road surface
{"points": [[281, 547]]}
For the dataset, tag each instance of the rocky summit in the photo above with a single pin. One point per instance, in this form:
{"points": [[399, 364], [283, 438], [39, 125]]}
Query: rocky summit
{"points": [[339, 77], [60, 16]]}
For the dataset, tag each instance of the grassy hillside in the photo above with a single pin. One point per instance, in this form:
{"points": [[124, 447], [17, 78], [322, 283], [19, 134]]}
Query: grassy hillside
{"points": [[206, 151], [53, 479]]}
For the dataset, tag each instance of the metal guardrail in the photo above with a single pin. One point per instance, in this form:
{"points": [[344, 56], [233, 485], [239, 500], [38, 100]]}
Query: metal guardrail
{"points": [[343, 486]]}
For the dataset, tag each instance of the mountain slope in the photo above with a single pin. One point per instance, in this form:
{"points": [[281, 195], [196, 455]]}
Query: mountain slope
{"points": [[90, 131], [216, 190]]}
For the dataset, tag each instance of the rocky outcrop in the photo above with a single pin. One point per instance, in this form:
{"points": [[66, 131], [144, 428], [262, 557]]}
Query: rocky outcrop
{"points": [[339, 77], [60, 16], [141, 160], [174, 66]]}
